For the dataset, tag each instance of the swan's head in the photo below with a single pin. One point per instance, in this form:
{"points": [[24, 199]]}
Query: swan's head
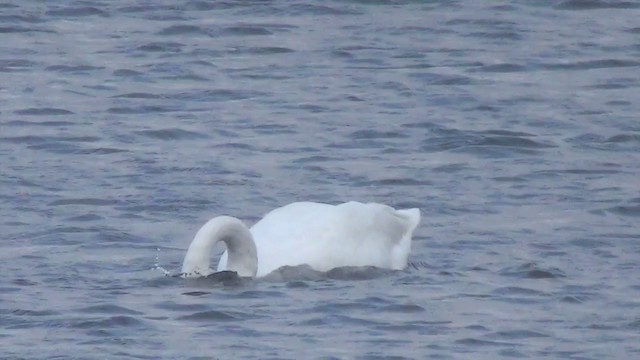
{"points": [[243, 256]]}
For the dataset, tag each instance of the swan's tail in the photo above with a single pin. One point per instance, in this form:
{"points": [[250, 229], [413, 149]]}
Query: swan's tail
{"points": [[400, 253], [412, 216]]}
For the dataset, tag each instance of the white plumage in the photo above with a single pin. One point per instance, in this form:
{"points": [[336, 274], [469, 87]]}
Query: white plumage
{"points": [[319, 235]]}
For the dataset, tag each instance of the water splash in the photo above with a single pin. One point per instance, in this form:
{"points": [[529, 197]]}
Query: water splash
{"points": [[157, 266]]}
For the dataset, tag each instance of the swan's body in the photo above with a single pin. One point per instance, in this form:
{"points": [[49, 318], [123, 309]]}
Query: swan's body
{"points": [[319, 235]]}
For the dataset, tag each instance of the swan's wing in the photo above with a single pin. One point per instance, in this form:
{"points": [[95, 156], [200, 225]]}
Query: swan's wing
{"points": [[327, 236]]}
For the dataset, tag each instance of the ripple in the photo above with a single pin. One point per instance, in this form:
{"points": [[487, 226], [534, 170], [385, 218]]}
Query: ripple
{"points": [[110, 322], [441, 79], [518, 334], [626, 141], [80, 11], [404, 308], [108, 309], [182, 29], [592, 64], [245, 30], [73, 68], [162, 46], [147, 109], [138, 95], [375, 134], [595, 4], [43, 111], [36, 313], [625, 210], [264, 50], [502, 68], [86, 217], [171, 134], [215, 316], [532, 271], [517, 290], [357, 273]]}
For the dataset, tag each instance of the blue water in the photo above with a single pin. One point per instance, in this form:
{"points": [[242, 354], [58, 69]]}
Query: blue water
{"points": [[513, 125]]}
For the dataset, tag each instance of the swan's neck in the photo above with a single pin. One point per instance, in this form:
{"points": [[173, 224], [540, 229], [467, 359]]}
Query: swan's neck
{"points": [[243, 257]]}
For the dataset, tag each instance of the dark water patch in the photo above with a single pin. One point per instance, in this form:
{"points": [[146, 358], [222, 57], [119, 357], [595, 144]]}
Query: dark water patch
{"points": [[34, 313], [590, 242], [403, 308], [532, 271], [258, 294], [191, 307], [506, 133], [591, 64], [73, 68], [496, 35], [277, 129], [43, 111], [315, 9], [442, 79], [358, 273], [450, 168], [420, 327], [512, 141], [22, 18], [99, 151], [117, 321], [14, 65], [376, 134], [634, 324], [396, 182], [595, 4], [479, 143], [233, 145], [294, 273], [502, 68], [162, 46], [80, 11], [171, 134], [627, 141], [474, 342], [263, 50], [148, 109], [517, 334], [335, 307], [83, 201], [20, 29], [24, 282], [52, 123], [214, 316], [245, 30], [518, 291], [182, 29], [209, 95], [138, 95], [624, 138], [108, 309], [127, 73], [85, 217], [618, 103], [625, 210], [219, 279]]}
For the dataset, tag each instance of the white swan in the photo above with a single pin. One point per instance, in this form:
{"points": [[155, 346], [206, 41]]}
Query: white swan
{"points": [[320, 235]]}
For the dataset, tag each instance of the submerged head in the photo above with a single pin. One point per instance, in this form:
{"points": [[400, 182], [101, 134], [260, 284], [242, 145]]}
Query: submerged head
{"points": [[243, 256]]}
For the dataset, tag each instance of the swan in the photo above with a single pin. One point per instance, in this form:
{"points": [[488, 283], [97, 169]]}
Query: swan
{"points": [[321, 236]]}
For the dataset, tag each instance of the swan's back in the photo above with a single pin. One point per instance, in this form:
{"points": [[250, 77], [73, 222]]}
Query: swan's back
{"points": [[329, 236]]}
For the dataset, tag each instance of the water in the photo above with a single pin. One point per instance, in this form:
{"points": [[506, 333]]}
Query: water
{"points": [[514, 126]]}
